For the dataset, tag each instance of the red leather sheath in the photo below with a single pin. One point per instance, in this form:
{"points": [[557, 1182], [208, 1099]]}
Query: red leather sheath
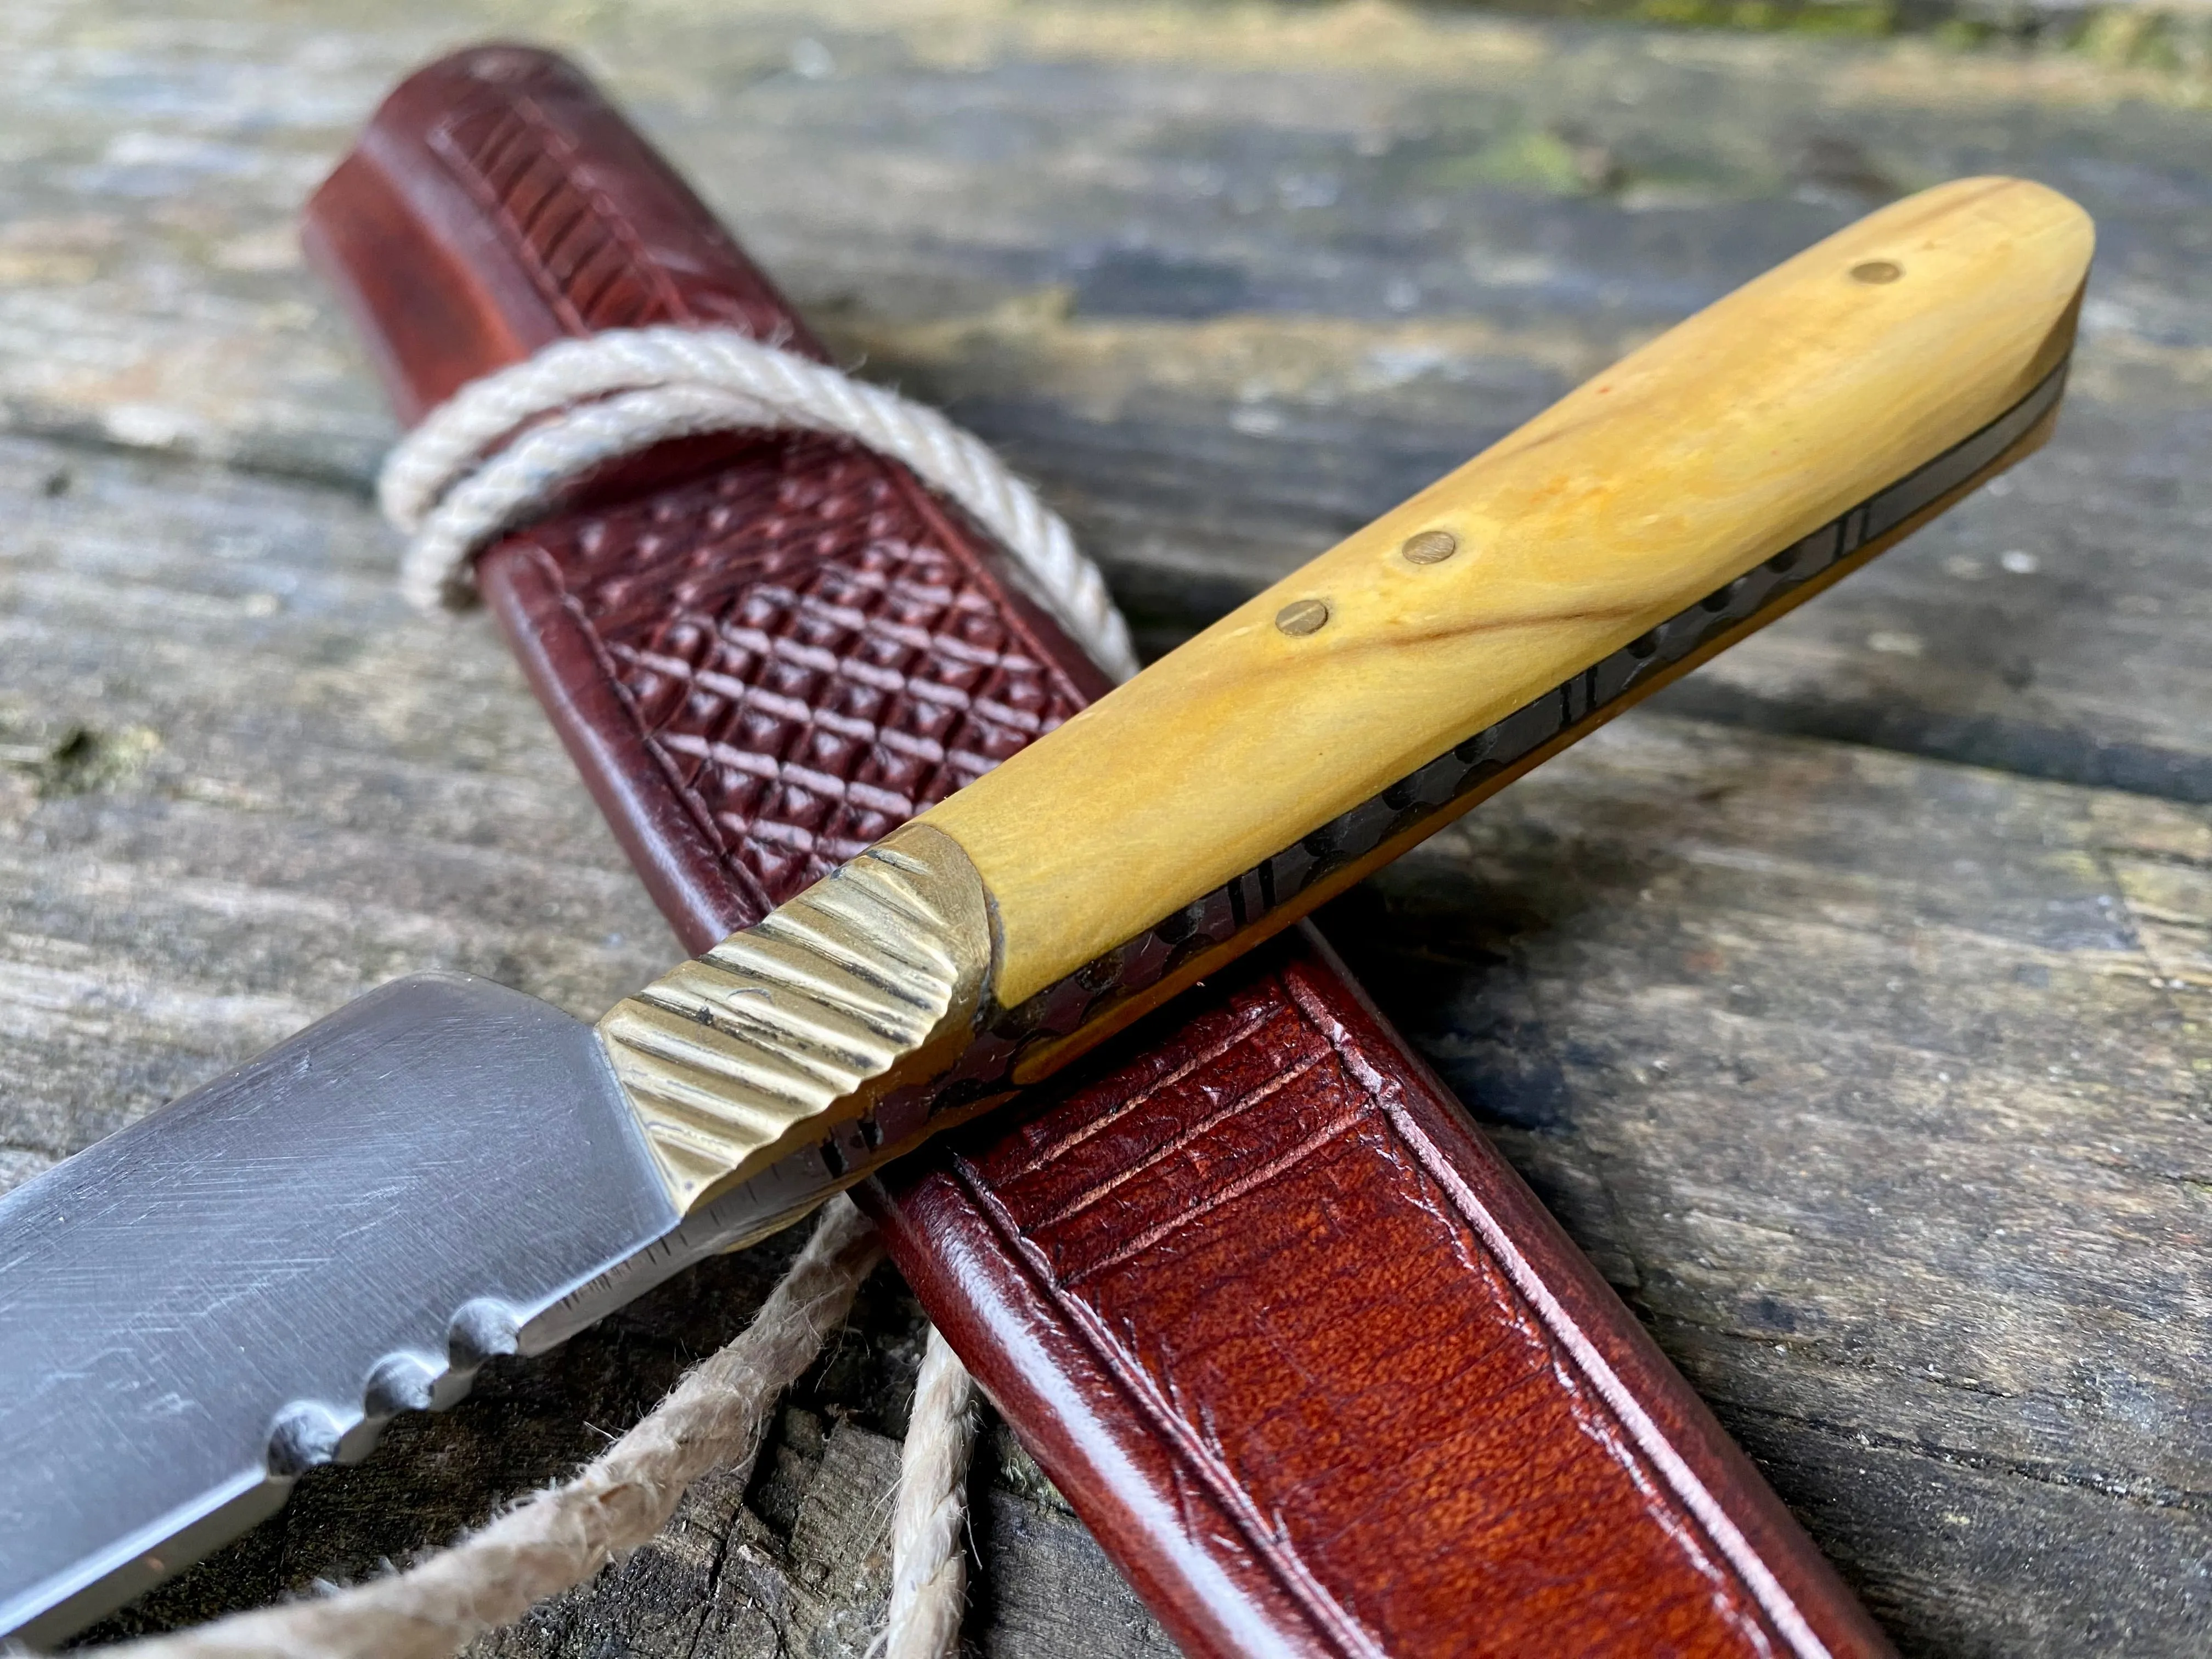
{"points": [[1317, 1370]]}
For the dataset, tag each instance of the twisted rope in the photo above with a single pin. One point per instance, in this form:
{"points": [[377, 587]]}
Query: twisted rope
{"points": [[929, 1568], [500, 451]]}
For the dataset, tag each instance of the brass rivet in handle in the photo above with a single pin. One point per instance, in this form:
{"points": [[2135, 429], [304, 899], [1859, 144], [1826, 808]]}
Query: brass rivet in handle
{"points": [[1430, 547], [1302, 617], [1877, 270]]}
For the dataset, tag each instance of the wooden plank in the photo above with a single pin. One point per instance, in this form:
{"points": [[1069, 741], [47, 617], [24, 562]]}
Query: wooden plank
{"points": [[1305, 266], [1850, 1067], [1875, 1080]]}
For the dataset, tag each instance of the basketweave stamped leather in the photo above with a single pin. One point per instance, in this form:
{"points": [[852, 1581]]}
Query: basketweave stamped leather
{"points": [[1316, 1368], [808, 653]]}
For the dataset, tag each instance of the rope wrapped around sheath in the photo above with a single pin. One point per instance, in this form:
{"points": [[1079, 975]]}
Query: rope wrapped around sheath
{"points": [[499, 452]]}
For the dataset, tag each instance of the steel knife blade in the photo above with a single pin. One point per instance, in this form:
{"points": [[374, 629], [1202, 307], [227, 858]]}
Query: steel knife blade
{"points": [[251, 1280], [255, 1278]]}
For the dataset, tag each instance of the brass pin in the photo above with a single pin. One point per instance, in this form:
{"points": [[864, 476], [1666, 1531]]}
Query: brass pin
{"points": [[1877, 270], [1302, 617], [1430, 547]]}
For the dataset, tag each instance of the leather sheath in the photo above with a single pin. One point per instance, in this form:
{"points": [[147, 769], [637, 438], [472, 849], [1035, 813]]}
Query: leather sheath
{"points": [[1316, 1368]]}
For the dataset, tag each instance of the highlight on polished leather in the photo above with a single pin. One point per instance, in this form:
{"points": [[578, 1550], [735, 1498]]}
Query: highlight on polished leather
{"points": [[1425, 1426]]}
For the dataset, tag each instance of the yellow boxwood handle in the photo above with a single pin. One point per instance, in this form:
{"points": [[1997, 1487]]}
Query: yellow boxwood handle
{"points": [[1737, 435]]}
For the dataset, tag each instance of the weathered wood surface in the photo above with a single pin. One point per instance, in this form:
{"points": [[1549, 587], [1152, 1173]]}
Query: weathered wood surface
{"points": [[1850, 1006]]}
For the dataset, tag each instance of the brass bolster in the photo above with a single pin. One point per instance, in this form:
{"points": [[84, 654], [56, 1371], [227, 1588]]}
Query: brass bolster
{"points": [[869, 980]]}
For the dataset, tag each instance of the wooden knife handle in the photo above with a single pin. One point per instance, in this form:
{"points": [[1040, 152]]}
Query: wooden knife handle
{"points": [[1810, 417], [1316, 1368]]}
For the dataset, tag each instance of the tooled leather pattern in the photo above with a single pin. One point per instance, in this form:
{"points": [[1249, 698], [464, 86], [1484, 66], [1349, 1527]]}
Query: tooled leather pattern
{"points": [[519, 137], [587, 260], [1259, 1129], [810, 662]]}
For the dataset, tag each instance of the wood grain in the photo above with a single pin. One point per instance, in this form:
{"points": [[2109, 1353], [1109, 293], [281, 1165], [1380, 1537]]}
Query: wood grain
{"points": [[1820, 1002]]}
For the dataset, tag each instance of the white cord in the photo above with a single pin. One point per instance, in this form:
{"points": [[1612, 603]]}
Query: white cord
{"points": [[929, 1567], [499, 452]]}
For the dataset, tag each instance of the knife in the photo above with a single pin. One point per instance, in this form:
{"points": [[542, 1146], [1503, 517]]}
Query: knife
{"points": [[252, 1280]]}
